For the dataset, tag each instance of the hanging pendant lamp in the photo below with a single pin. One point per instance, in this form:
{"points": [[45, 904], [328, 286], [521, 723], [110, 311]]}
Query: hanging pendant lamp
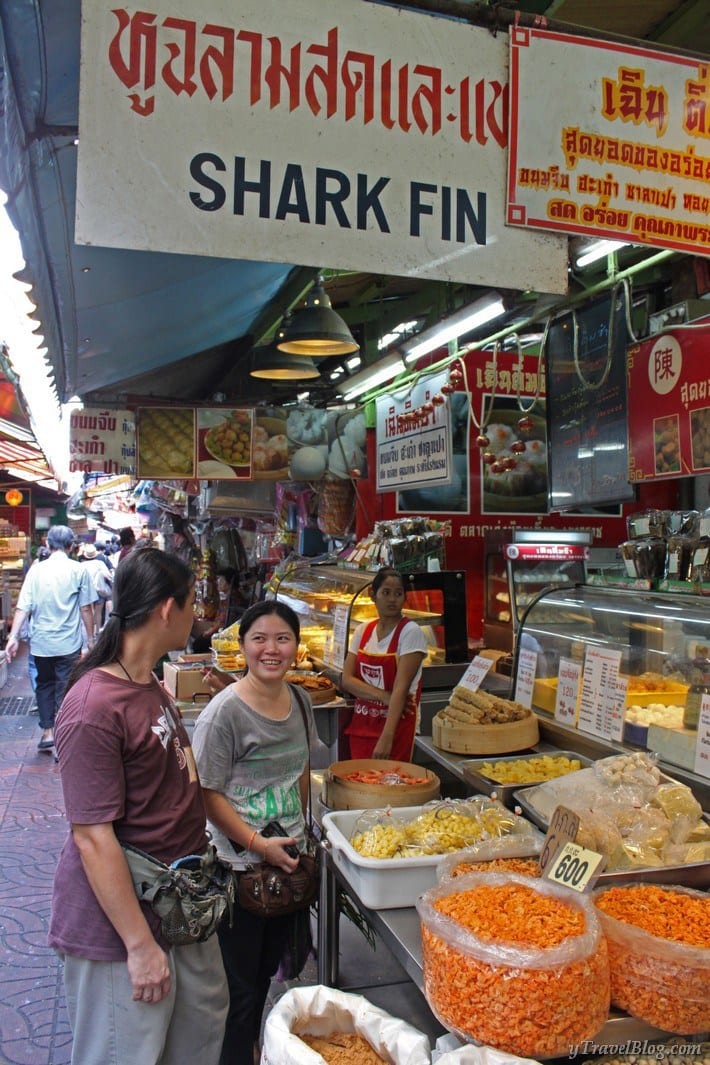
{"points": [[271, 364], [317, 329]]}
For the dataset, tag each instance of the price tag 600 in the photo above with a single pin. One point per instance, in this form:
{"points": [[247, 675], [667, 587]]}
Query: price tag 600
{"points": [[575, 867]]}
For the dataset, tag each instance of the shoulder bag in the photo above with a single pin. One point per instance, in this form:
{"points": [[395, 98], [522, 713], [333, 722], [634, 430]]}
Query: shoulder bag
{"points": [[268, 891], [190, 897]]}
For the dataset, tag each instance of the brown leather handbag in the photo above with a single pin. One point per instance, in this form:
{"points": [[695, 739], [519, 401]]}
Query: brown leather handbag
{"points": [[268, 891]]}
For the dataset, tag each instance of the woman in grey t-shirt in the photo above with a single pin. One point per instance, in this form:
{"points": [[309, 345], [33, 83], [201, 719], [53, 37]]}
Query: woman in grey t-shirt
{"points": [[251, 750]]}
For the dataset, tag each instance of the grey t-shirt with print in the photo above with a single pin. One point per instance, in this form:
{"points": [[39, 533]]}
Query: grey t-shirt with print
{"points": [[256, 763]]}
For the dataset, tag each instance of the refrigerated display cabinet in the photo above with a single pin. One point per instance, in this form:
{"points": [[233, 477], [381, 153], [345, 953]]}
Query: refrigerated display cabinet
{"points": [[654, 636], [518, 565]]}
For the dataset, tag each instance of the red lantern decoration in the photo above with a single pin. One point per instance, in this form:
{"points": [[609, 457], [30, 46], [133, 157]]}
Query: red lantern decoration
{"points": [[447, 388], [455, 375], [525, 425], [488, 458], [482, 440], [517, 447], [437, 399]]}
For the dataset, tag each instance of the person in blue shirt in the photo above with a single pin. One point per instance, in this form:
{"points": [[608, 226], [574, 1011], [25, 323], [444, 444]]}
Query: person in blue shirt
{"points": [[57, 599]]}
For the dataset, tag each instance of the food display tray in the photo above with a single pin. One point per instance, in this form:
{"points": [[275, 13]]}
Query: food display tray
{"points": [[471, 769], [691, 874], [545, 695], [380, 883]]}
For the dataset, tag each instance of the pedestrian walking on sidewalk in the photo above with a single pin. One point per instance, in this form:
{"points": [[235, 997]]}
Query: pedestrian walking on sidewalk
{"points": [[56, 597], [129, 777]]}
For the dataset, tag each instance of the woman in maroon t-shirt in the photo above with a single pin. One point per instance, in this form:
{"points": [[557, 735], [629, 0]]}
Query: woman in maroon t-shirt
{"points": [[128, 776]]}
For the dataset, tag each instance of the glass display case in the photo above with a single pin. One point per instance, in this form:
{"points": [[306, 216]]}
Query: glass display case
{"points": [[331, 601], [620, 668], [518, 565]]}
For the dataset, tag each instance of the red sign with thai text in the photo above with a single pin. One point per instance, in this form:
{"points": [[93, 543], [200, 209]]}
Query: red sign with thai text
{"points": [[669, 404]]}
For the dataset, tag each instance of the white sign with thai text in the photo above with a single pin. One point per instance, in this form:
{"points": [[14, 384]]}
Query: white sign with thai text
{"points": [[345, 134], [102, 441], [413, 437], [613, 142]]}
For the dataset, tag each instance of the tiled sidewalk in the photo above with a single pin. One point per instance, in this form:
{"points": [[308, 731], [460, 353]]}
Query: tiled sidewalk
{"points": [[34, 1028]]}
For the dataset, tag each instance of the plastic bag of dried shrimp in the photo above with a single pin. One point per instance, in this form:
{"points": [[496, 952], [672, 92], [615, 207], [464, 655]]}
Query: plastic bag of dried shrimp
{"points": [[326, 1012], [659, 953], [513, 962], [504, 854]]}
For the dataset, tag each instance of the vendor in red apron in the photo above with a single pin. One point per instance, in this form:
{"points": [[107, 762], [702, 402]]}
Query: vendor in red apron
{"points": [[383, 670]]}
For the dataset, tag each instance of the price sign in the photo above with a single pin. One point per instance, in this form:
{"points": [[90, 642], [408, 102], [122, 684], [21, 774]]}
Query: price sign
{"points": [[601, 672], [616, 708], [575, 867], [474, 675], [339, 647], [525, 681], [567, 698], [702, 745], [564, 824]]}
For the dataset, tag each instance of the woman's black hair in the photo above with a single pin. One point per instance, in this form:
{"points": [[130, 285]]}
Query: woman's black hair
{"points": [[143, 580], [382, 575], [263, 609]]}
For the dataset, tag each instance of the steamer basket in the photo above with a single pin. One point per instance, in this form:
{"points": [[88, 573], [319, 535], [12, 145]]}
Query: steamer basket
{"points": [[485, 739], [340, 794]]}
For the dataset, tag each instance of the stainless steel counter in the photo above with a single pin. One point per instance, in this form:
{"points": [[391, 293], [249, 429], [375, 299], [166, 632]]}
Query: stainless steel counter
{"points": [[399, 930]]}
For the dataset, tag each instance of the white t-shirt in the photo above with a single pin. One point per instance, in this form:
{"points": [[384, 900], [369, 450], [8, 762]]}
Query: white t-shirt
{"points": [[411, 639]]}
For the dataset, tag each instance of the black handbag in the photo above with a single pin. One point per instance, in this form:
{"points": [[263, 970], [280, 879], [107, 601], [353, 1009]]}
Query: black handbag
{"points": [[268, 891]]}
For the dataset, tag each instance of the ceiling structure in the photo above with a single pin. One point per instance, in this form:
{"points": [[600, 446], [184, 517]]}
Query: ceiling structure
{"points": [[124, 327]]}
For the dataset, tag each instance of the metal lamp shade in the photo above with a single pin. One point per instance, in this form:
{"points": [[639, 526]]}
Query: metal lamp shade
{"points": [[271, 364], [317, 329]]}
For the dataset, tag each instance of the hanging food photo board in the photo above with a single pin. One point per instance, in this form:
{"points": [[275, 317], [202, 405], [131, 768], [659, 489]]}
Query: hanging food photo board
{"points": [[586, 405], [669, 404]]}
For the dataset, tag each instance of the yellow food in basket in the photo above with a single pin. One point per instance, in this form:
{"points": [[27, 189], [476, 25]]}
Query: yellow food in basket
{"points": [[530, 770], [380, 841], [437, 831]]}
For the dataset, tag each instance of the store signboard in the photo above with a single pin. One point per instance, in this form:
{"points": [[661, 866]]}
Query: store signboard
{"points": [[102, 441], [346, 133], [413, 437], [611, 143], [669, 404]]}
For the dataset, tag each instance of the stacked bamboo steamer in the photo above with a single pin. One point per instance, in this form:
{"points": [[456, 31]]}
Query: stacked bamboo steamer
{"points": [[476, 722]]}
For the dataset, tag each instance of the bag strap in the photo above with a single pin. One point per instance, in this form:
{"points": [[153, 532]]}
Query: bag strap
{"points": [[300, 697]]}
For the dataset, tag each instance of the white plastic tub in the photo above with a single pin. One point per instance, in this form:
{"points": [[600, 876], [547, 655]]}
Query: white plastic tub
{"points": [[380, 883]]}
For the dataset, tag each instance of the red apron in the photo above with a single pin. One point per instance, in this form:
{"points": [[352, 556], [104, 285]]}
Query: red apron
{"points": [[369, 716]]}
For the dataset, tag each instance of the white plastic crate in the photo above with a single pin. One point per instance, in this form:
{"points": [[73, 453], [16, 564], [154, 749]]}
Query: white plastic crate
{"points": [[380, 883]]}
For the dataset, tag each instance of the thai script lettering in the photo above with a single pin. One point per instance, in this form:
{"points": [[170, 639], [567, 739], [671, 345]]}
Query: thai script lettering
{"points": [[576, 145], [665, 198], [220, 62], [104, 421], [645, 226], [552, 178], [630, 100], [696, 107], [509, 381], [695, 391], [693, 202]]}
